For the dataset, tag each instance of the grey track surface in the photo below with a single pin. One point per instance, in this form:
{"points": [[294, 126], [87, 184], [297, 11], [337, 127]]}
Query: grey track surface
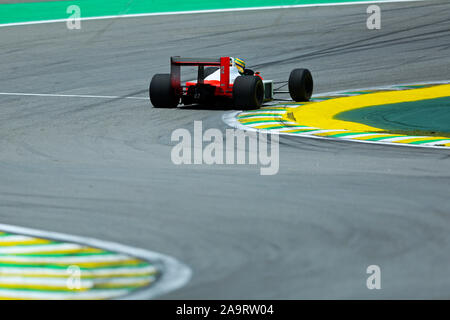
{"points": [[102, 168]]}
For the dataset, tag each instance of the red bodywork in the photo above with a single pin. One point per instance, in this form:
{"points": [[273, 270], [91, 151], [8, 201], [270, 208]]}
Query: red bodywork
{"points": [[223, 87]]}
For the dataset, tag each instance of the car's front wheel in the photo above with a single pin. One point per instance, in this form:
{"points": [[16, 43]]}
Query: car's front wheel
{"points": [[300, 85]]}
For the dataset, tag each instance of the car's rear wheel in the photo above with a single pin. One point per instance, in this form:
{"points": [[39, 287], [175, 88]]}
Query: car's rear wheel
{"points": [[161, 93], [248, 92], [301, 85]]}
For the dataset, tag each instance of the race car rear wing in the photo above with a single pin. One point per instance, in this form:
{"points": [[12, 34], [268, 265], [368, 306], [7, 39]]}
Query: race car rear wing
{"points": [[223, 63]]}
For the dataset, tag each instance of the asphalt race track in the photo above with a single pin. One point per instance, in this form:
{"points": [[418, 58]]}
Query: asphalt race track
{"points": [[101, 168]]}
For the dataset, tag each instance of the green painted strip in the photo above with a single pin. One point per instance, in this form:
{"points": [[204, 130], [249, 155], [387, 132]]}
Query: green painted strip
{"points": [[417, 86], [5, 234], [21, 12], [427, 116]]}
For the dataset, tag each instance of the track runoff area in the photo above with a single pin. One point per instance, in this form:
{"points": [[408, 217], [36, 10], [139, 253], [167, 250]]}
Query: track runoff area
{"points": [[23, 13], [44, 265]]}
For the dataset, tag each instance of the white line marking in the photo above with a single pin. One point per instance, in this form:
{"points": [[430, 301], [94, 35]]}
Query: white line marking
{"points": [[209, 11], [174, 274], [38, 248], [437, 142], [16, 238], [395, 139], [67, 95]]}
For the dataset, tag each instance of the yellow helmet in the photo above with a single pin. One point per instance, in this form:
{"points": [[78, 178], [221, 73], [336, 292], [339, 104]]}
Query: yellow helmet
{"points": [[240, 65]]}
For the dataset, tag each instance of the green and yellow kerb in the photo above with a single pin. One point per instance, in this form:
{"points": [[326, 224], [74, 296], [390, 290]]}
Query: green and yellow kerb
{"points": [[416, 115], [36, 268]]}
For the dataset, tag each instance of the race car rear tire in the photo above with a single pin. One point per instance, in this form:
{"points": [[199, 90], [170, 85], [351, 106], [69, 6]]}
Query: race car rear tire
{"points": [[248, 92], [301, 85], [161, 93]]}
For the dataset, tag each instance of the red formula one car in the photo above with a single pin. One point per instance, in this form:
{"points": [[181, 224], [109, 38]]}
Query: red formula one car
{"points": [[223, 82]]}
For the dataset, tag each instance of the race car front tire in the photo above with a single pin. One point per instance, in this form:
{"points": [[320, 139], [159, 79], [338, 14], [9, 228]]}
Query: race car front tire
{"points": [[248, 92], [300, 85], [161, 93]]}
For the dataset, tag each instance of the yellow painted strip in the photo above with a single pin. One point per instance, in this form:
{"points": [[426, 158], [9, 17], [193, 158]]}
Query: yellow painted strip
{"points": [[320, 114], [24, 243], [264, 126], [329, 133], [62, 251]]}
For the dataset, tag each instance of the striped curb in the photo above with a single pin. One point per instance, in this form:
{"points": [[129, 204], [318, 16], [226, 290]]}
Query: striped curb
{"points": [[43, 265], [279, 118]]}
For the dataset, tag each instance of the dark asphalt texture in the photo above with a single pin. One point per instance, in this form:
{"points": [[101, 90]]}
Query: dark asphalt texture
{"points": [[101, 167]]}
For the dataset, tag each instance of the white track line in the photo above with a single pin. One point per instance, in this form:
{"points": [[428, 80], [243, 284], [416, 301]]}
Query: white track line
{"points": [[174, 274], [67, 95], [210, 11], [38, 248]]}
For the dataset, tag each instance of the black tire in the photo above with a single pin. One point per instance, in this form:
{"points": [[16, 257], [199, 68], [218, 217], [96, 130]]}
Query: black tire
{"points": [[301, 85], [161, 93], [210, 70], [248, 92]]}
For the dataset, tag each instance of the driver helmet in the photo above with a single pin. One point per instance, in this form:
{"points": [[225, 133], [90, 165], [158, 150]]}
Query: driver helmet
{"points": [[240, 65]]}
